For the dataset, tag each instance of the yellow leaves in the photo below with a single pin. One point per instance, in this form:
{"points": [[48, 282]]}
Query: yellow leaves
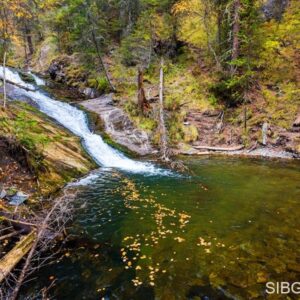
{"points": [[182, 6], [195, 24], [183, 219], [136, 281], [179, 239]]}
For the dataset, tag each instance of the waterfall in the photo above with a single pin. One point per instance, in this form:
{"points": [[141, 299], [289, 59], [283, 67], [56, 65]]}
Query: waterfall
{"points": [[15, 78], [76, 121], [39, 81]]}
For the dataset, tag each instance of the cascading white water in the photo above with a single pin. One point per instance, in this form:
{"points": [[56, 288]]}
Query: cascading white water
{"points": [[38, 80], [75, 120], [15, 78]]}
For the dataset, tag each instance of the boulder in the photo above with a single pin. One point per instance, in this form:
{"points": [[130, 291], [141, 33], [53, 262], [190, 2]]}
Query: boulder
{"points": [[2, 194], [90, 93], [56, 72], [18, 198], [119, 126]]}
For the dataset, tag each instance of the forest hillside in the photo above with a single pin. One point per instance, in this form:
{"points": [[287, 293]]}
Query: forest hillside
{"points": [[230, 66]]}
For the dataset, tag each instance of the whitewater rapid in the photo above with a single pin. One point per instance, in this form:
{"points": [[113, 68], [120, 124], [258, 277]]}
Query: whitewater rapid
{"points": [[76, 121]]}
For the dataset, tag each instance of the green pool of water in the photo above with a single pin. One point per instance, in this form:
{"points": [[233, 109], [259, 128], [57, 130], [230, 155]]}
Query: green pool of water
{"points": [[220, 234]]}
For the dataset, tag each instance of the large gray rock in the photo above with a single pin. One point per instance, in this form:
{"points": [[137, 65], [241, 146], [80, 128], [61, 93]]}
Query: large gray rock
{"points": [[18, 198], [118, 125], [90, 93], [2, 194]]}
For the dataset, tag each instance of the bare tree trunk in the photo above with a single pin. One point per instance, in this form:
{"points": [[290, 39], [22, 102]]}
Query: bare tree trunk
{"points": [[219, 22], [235, 33], [101, 60], [4, 80], [208, 34], [142, 101], [29, 39], [264, 133], [245, 117], [95, 42], [163, 131]]}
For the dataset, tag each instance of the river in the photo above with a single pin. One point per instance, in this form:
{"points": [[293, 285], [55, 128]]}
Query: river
{"points": [[141, 232]]}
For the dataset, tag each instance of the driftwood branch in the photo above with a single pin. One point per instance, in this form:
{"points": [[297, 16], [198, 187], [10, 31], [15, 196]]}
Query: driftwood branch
{"points": [[235, 148], [19, 85], [55, 219], [6, 236], [11, 259]]}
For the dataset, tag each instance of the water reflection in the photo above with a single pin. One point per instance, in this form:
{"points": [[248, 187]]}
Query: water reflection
{"points": [[219, 235]]}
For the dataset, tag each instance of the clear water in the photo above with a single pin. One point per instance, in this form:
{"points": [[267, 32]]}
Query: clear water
{"points": [[220, 234]]}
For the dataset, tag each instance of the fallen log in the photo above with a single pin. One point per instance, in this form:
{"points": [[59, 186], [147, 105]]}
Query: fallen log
{"points": [[20, 86], [14, 256], [6, 236], [24, 226], [235, 148]]}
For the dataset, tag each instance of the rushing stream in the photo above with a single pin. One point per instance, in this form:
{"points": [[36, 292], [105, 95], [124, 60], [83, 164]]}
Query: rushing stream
{"points": [[219, 234], [76, 121]]}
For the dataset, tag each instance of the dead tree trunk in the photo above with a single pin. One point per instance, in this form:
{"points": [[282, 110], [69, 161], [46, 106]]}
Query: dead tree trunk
{"points": [[245, 118], [163, 131], [10, 260], [264, 133], [142, 100], [97, 47], [235, 33], [4, 80], [101, 60], [29, 39]]}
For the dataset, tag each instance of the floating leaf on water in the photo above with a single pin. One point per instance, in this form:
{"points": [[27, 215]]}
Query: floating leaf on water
{"points": [[179, 239]]}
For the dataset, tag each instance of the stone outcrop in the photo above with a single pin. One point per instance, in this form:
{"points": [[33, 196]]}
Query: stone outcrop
{"points": [[118, 125]]}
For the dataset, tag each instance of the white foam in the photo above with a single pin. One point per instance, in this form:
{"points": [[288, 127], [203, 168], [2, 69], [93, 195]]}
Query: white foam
{"points": [[75, 120], [38, 80], [15, 78]]}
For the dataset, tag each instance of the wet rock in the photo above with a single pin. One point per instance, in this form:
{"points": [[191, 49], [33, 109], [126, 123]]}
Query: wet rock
{"points": [[2, 193], [119, 126], [56, 72], [18, 198], [27, 77], [90, 93]]}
